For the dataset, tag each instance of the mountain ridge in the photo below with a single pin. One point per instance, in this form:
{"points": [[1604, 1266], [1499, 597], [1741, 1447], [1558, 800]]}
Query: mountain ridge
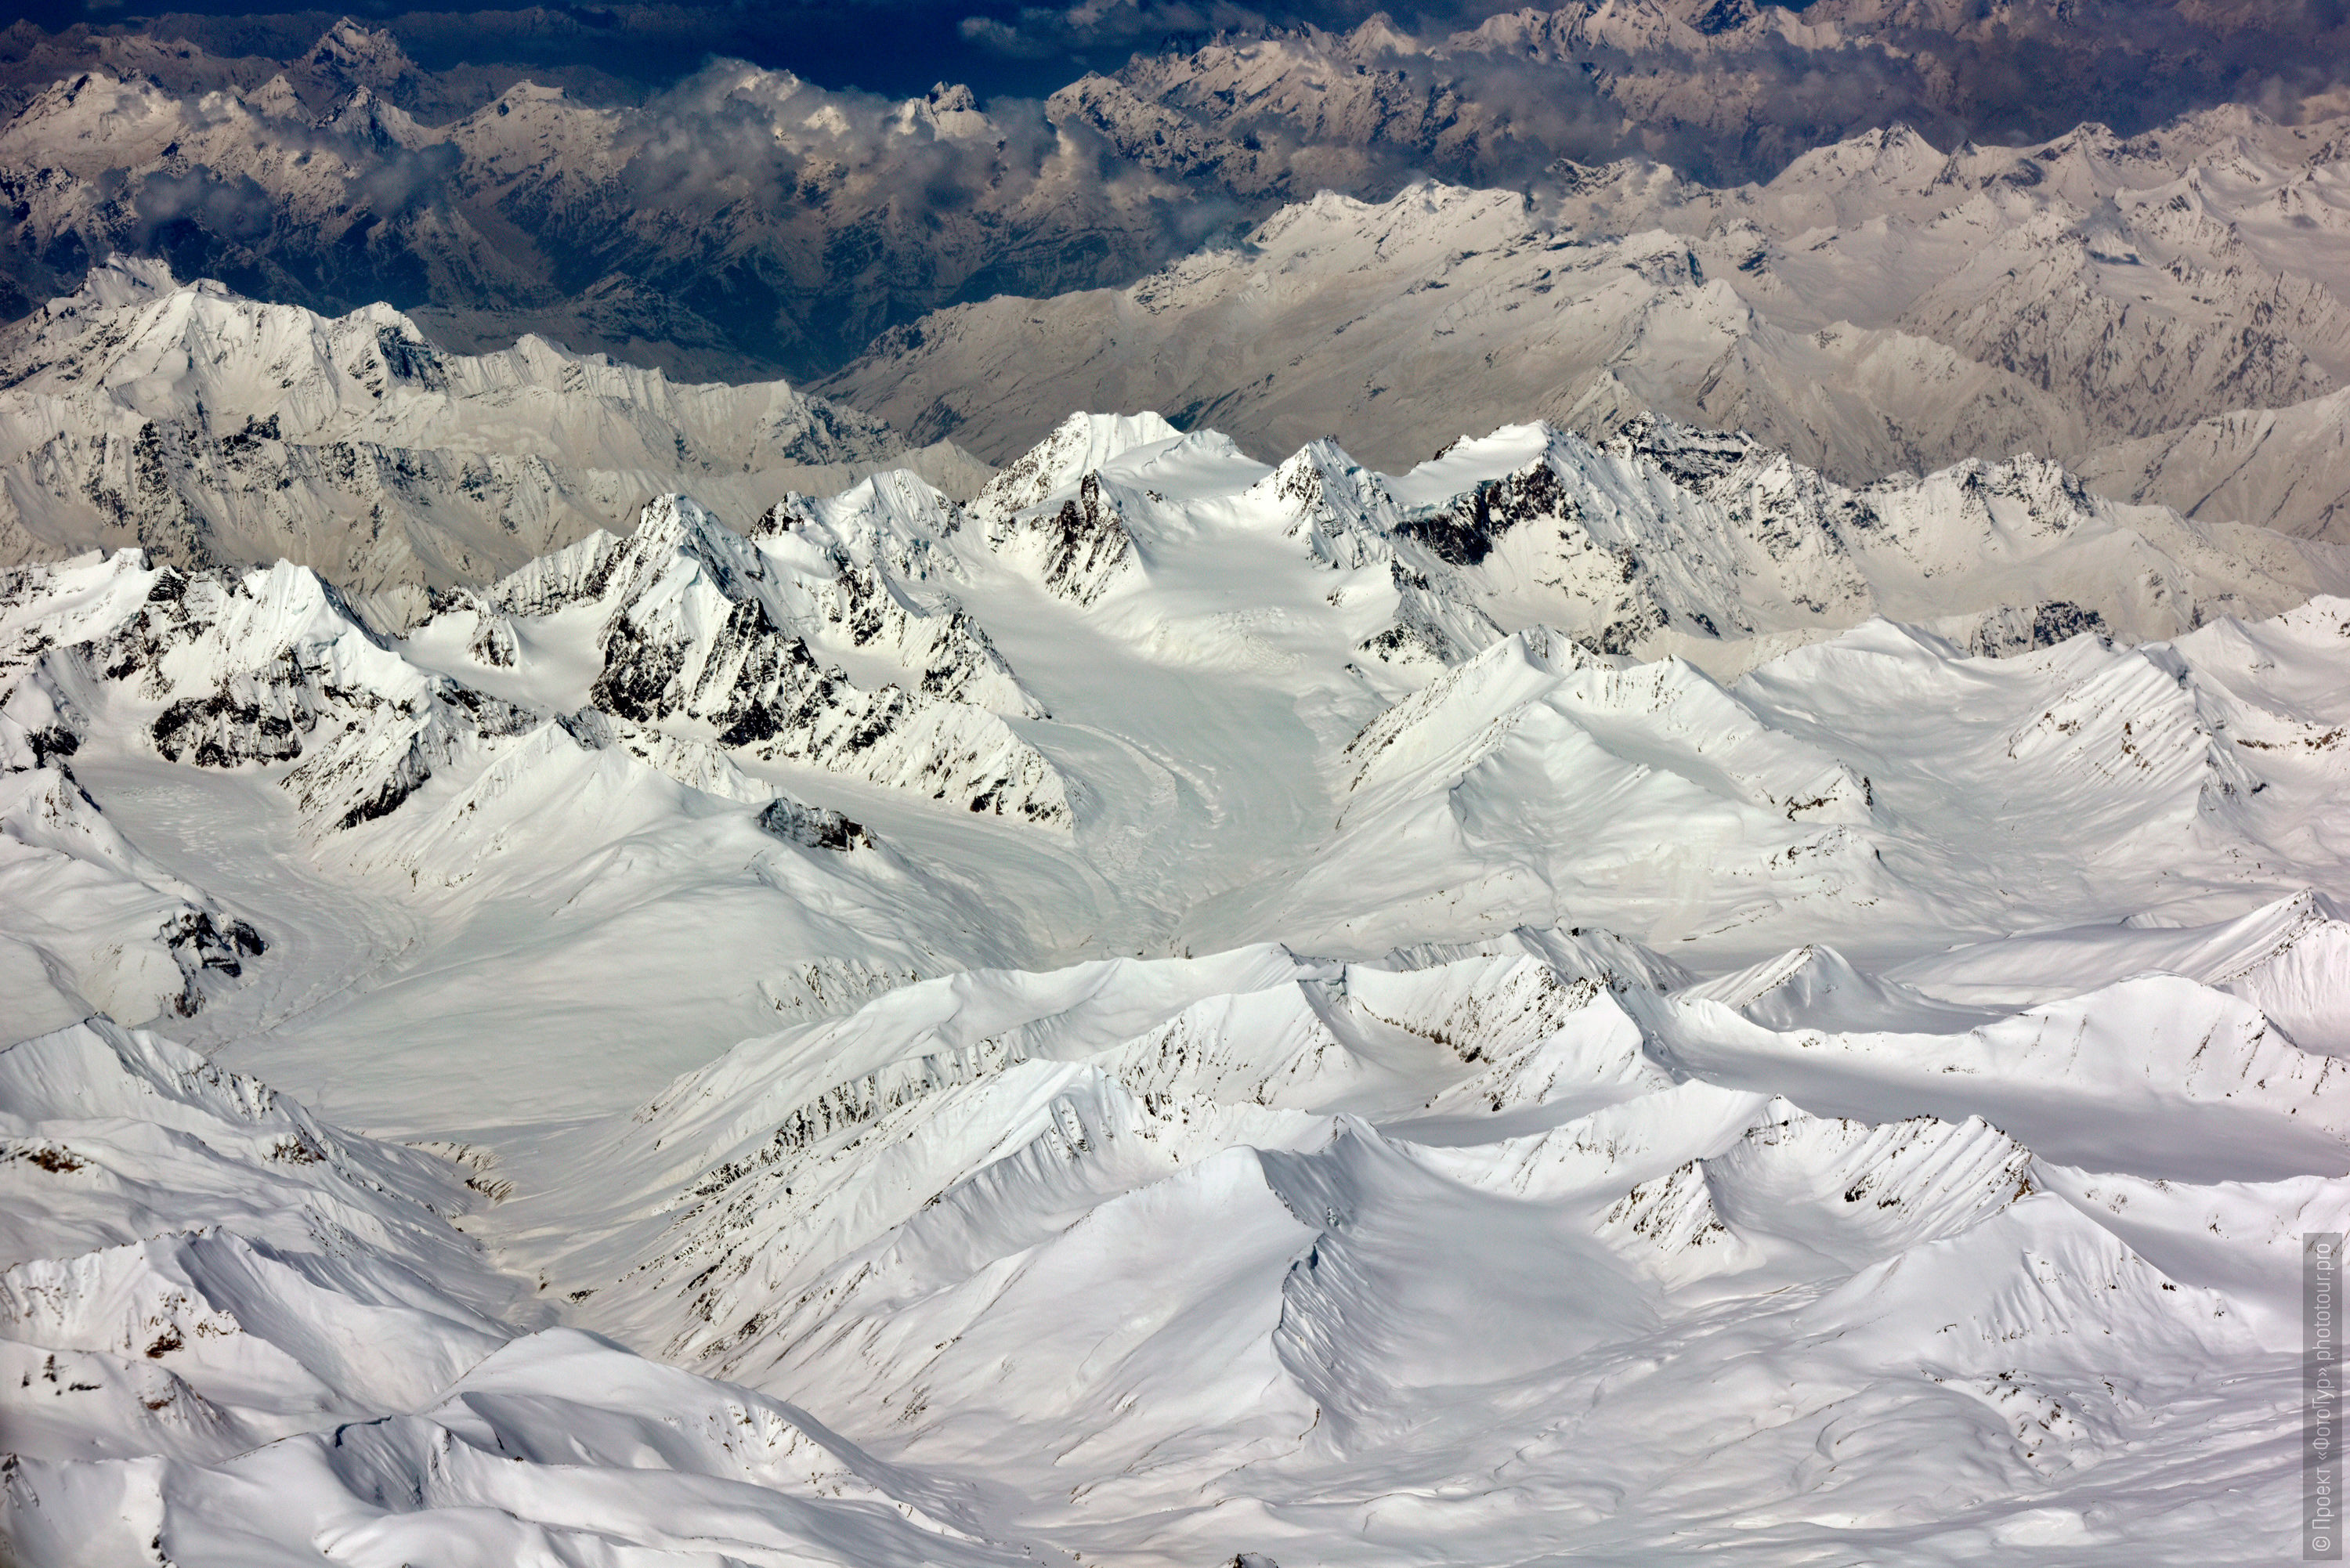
{"points": [[1879, 304], [1633, 847], [1127, 1016], [216, 430]]}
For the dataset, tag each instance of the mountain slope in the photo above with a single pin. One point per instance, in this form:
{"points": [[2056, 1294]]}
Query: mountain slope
{"points": [[1146, 692], [1168, 1012], [308, 1281], [219, 431], [2281, 468], [1877, 305]]}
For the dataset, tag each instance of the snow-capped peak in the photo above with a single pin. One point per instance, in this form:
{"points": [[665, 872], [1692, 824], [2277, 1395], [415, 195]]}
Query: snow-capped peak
{"points": [[1082, 443], [1342, 510], [216, 430]]}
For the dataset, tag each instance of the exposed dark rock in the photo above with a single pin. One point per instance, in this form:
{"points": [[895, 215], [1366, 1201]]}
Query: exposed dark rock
{"points": [[813, 826]]}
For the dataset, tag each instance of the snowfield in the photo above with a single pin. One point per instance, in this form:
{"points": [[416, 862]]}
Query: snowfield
{"points": [[1601, 1000]]}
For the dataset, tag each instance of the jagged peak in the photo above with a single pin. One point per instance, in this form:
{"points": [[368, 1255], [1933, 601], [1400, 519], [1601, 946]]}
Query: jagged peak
{"points": [[1462, 464], [368, 115], [681, 545], [677, 522], [351, 45], [672, 531], [1421, 212], [1082, 443], [1896, 156], [1379, 34], [1321, 483], [156, 304], [896, 507], [1082, 549], [1111, 434], [123, 279]]}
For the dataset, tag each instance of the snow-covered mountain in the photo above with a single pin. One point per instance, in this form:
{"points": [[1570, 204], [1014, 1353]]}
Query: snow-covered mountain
{"points": [[256, 1276], [1583, 998], [1878, 305], [890, 637], [1663, 875], [216, 430], [1145, 1260], [584, 684]]}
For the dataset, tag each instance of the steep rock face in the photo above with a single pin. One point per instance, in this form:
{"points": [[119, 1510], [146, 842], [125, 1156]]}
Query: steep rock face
{"points": [[859, 634], [698, 625], [1080, 552], [1080, 444], [271, 668], [814, 827], [92, 922], [1050, 511], [878, 564], [1665, 535], [216, 430], [1340, 510], [1348, 521]]}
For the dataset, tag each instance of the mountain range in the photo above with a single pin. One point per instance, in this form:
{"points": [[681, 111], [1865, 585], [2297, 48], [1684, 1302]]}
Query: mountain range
{"points": [[2118, 305], [746, 222], [214, 430], [743, 222], [1185, 1006], [1632, 849], [2162, 311]]}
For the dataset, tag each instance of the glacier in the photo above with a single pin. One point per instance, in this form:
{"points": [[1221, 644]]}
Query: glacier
{"points": [[1590, 997]]}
